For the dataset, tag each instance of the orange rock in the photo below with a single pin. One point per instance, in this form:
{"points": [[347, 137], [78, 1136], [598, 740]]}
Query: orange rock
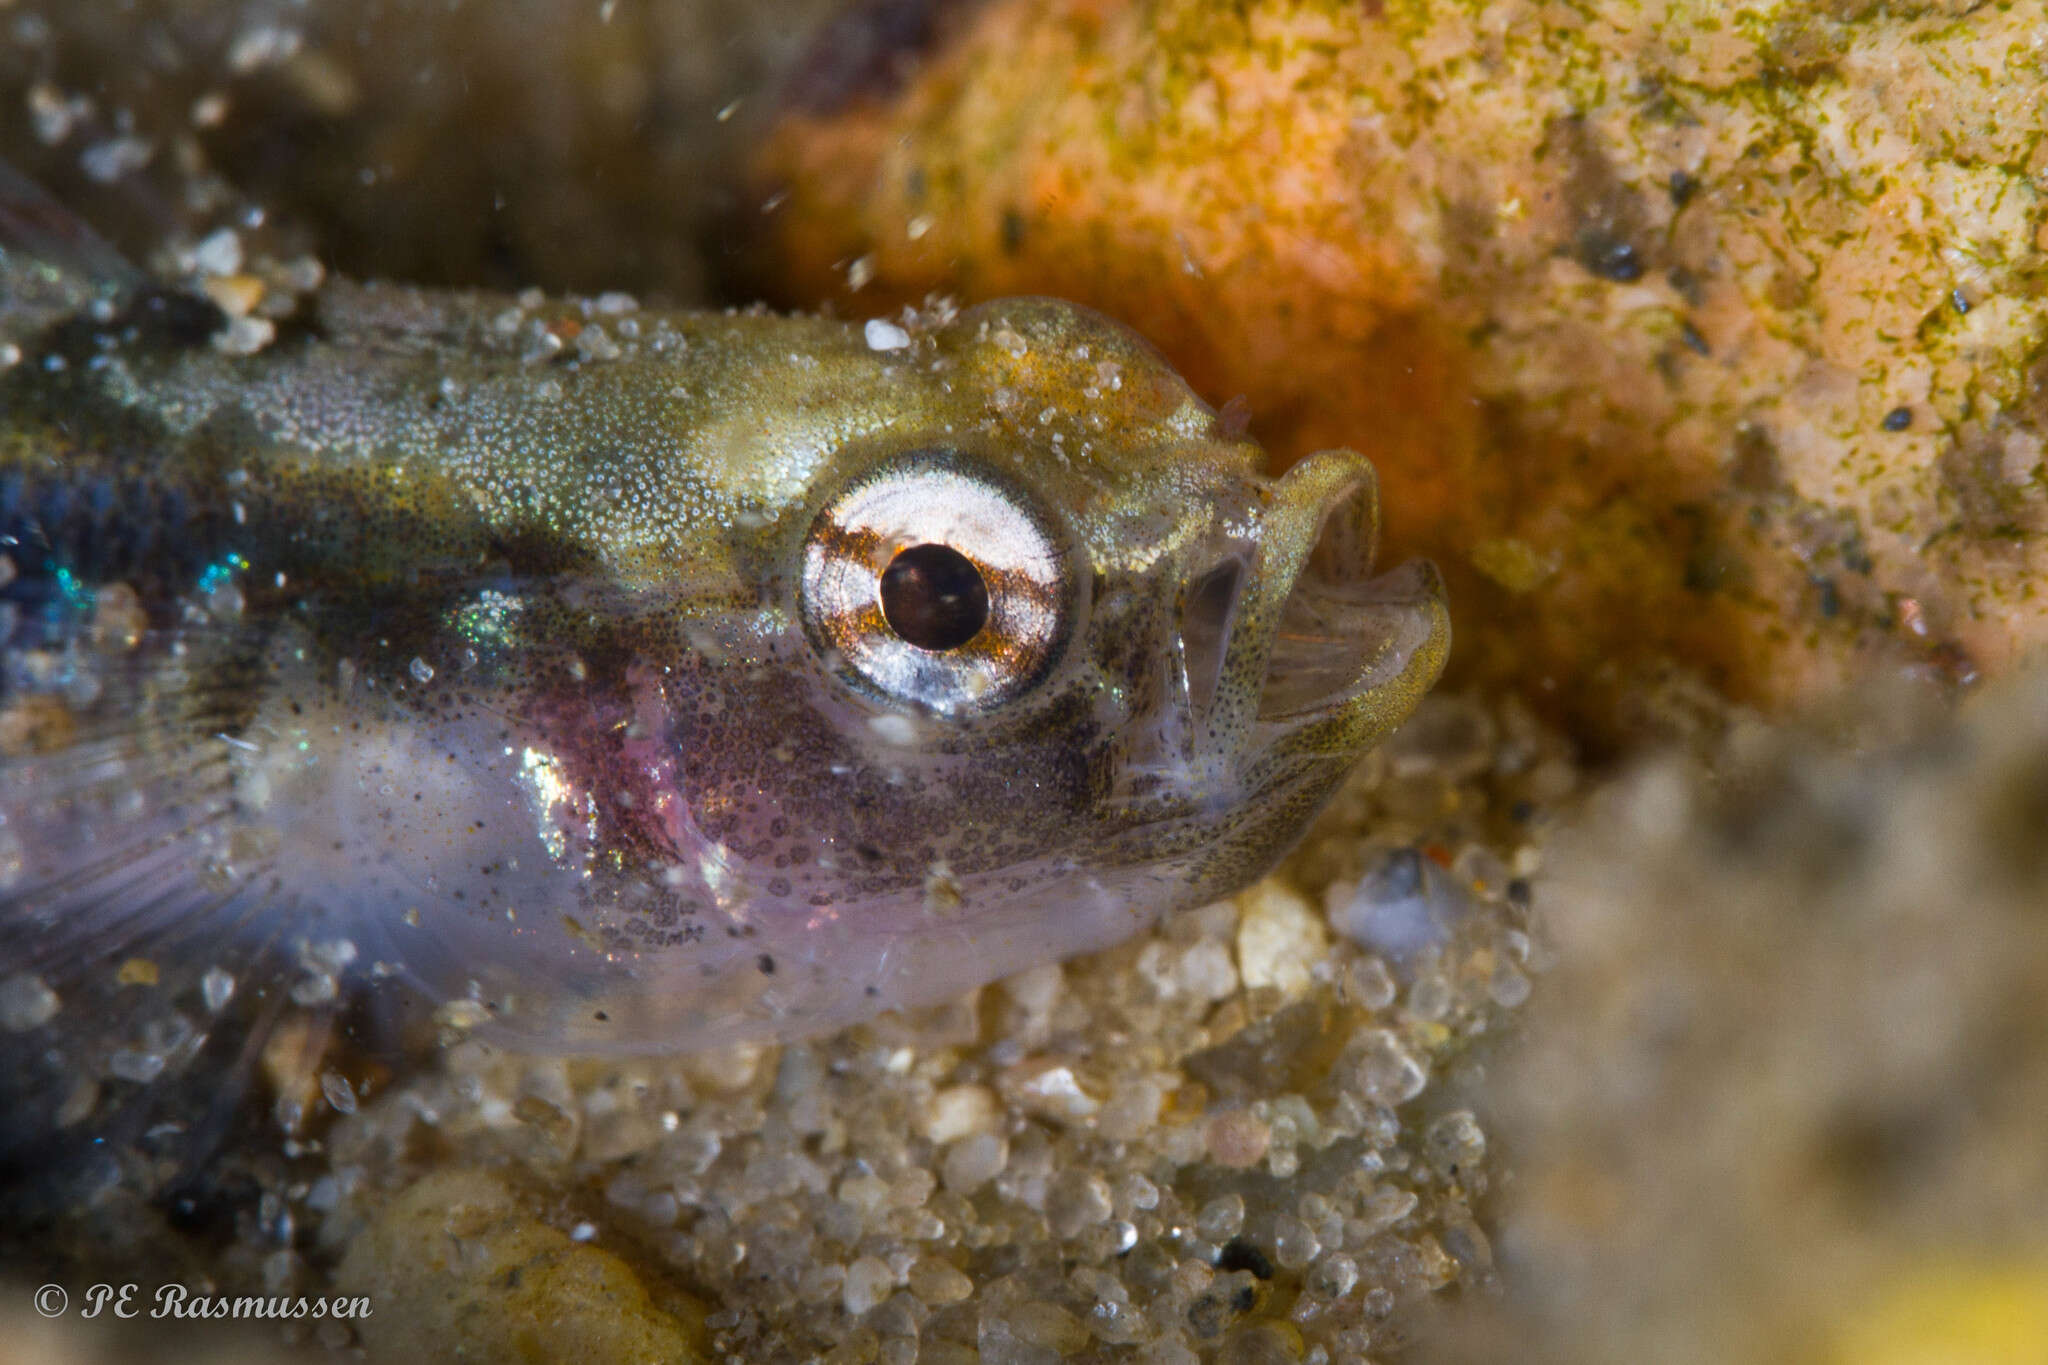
{"points": [[1623, 299]]}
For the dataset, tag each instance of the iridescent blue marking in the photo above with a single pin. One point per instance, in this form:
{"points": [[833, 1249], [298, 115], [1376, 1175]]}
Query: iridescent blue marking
{"points": [[219, 575]]}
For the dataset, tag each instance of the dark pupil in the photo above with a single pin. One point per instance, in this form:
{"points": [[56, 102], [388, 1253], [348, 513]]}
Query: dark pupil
{"points": [[933, 596]]}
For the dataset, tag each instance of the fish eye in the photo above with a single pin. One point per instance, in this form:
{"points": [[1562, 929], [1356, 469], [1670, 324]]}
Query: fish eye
{"points": [[936, 583], [934, 597]]}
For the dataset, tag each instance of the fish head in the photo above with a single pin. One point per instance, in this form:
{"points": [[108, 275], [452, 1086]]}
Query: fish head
{"points": [[1109, 586], [1033, 653]]}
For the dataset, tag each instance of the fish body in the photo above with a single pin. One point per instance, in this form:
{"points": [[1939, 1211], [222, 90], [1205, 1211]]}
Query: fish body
{"points": [[623, 678]]}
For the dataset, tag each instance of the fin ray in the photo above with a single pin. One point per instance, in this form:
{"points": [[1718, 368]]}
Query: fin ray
{"points": [[51, 263]]}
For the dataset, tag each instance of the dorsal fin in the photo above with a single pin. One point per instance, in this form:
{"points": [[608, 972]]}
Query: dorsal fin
{"points": [[52, 264]]}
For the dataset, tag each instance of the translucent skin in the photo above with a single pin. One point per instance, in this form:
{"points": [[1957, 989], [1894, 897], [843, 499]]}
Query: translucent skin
{"points": [[516, 690]]}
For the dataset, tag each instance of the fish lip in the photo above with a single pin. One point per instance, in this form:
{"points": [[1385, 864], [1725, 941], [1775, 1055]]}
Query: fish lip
{"points": [[1330, 658], [1338, 646]]}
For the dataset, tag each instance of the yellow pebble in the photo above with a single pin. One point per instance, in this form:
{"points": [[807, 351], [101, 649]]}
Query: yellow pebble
{"points": [[235, 295]]}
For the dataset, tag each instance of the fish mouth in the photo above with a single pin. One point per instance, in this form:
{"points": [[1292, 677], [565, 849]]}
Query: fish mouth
{"points": [[1297, 649]]}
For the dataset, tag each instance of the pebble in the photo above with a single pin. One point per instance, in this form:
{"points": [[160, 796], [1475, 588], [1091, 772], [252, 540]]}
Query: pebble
{"points": [[1295, 1243], [1507, 987], [1221, 1218], [1049, 1088], [1049, 1326], [1076, 1201], [1132, 1110], [219, 253], [1237, 1138], [1333, 1276], [1368, 983], [1430, 997], [1454, 1142], [209, 109], [235, 295], [245, 336], [108, 161], [972, 1162], [1280, 938], [130, 1064], [961, 1111], [1206, 972], [1168, 1350], [26, 1002], [1384, 1071], [1388, 1208], [1404, 905], [341, 1096], [868, 1281], [938, 1283], [885, 336]]}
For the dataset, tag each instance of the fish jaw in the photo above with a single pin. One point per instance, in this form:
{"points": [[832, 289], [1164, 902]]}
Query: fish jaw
{"points": [[1291, 662], [1284, 643], [1346, 656]]}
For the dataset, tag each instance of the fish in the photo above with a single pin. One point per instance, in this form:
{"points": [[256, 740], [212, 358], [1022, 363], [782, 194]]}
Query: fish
{"points": [[618, 678]]}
